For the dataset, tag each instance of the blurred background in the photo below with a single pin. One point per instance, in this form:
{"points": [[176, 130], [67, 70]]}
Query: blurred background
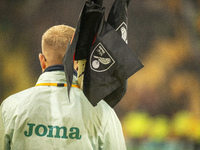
{"points": [[161, 109]]}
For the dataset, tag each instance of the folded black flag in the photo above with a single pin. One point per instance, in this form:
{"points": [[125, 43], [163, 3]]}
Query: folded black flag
{"points": [[97, 2], [110, 62], [86, 29], [88, 26], [118, 19]]}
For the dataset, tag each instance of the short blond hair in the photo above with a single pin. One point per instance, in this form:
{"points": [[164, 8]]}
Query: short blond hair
{"points": [[55, 41]]}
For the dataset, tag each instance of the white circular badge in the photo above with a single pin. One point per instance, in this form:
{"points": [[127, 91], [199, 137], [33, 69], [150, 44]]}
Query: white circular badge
{"points": [[95, 64]]}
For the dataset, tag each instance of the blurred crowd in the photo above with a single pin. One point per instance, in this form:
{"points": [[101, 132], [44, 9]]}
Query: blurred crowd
{"points": [[145, 132], [161, 109]]}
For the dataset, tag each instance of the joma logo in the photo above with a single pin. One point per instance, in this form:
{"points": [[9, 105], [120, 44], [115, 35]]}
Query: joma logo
{"points": [[53, 131]]}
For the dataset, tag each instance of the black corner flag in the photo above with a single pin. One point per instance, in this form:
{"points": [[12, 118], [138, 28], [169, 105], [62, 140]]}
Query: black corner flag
{"points": [[109, 60], [118, 19], [86, 29]]}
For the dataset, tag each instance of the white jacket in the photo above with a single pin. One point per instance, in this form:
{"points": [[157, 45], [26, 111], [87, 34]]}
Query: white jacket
{"points": [[43, 118]]}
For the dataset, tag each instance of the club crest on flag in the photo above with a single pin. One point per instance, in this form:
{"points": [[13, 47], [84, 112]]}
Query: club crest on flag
{"points": [[100, 59], [122, 30]]}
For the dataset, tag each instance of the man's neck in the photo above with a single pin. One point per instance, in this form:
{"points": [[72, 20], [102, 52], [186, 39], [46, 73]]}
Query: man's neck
{"points": [[54, 68]]}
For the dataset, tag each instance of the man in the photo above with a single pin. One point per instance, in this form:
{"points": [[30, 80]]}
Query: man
{"points": [[44, 118]]}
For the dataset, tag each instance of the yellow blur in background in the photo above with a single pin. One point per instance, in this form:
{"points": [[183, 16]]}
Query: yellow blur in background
{"points": [[161, 109]]}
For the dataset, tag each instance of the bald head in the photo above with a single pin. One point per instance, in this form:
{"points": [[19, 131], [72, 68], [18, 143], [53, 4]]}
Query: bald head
{"points": [[54, 43]]}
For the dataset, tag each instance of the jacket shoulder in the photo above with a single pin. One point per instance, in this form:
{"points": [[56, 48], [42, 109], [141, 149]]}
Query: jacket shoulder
{"points": [[103, 113]]}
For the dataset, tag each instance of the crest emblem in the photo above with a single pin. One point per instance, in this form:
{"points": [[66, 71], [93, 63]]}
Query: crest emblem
{"points": [[122, 30], [100, 59]]}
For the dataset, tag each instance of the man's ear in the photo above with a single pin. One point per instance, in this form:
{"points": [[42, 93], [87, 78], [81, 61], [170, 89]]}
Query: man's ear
{"points": [[42, 62]]}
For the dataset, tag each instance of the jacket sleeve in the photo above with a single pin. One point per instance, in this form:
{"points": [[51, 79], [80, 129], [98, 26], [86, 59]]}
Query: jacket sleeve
{"points": [[113, 135], [4, 140]]}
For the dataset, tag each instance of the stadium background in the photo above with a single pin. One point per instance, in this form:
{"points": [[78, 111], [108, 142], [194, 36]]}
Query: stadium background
{"points": [[161, 109]]}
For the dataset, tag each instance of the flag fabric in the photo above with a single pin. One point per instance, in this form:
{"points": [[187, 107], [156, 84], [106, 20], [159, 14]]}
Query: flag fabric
{"points": [[110, 64], [109, 60], [87, 26], [97, 2], [118, 19]]}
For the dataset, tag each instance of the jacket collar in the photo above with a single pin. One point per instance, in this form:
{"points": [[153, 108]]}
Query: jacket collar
{"points": [[54, 77], [57, 68], [54, 68]]}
